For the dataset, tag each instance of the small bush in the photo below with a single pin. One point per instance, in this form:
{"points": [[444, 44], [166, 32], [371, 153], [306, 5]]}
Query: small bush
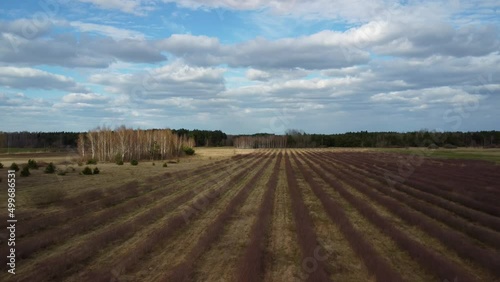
{"points": [[14, 166], [51, 168], [165, 165], [96, 170], [134, 162], [61, 172], [1, 165], [92, 161], [120, 162], [25, 172], [80, 163], [449, 146], [87, 171], [32, 164], [188, 151], [154, 164]]}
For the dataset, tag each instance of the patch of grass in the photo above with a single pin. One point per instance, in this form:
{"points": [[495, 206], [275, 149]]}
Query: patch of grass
{"points": [[491, 155], [92, 161], [22, 150], [46, 196]]}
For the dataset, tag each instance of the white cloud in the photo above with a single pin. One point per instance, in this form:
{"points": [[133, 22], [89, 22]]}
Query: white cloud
{"points": [[24, 78], [110, 31], [137, 7]]}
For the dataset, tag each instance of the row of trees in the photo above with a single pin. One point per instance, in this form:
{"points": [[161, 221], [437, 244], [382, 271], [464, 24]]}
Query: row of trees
{"points": [[260, 141], [209, 138], [292, 138], [422, 138], [26, 139], [125, 144]]}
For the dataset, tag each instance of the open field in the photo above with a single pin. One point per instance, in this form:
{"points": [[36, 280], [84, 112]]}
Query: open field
{"points": [[259, 215], [491, 155]]}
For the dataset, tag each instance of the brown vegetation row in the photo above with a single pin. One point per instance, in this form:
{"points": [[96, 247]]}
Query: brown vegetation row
{"points": [[183, 271], [125, 263], [465, 212], [427, 258], [251, 264], [56, 266], [480, 233], [372, 259], [306, 236]]}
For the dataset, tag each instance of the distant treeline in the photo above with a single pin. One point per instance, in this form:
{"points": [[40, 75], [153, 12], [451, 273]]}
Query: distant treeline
{"points": [[423, 138], [292, 139]]}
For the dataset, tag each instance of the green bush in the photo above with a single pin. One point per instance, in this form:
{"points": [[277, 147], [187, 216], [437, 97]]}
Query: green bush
{"points": [[165, 165], [14, 166], [32, 164], [1, 165], [188, 151], [134, 162], [96, 170], [118, 159], [154, 164], [25, 172], [92, 161], [51, 168], [87, 171]]}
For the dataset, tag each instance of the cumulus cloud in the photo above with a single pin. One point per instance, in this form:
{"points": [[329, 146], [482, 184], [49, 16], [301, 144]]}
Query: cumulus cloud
{"points": [[85, 51], [174, 79], [318, 51], [24, 78]]}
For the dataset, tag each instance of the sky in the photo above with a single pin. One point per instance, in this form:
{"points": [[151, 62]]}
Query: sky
{"points": [[243, 67]]}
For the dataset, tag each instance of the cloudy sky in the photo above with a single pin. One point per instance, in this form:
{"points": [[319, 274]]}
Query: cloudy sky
{"points": [[322, 66]]}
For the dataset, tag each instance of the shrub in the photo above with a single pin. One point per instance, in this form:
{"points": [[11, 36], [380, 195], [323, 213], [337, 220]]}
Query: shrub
{"points": [[134, 162], [25, 171], [1, 165], [96, 170], [51, 168], [165, 165], [61, 172], [14, 166], [433, 146], [154, 164], [188, 151], [41, 197], [449, 146], [118, 159], [32, 164], [87, 171], [92, 161]]}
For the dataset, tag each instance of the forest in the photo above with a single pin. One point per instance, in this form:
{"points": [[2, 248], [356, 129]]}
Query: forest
{"points": [[291, 139]]}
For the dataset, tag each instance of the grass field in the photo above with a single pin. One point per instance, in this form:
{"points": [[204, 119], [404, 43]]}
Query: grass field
{"points": [[491, 155], [260, 215]]}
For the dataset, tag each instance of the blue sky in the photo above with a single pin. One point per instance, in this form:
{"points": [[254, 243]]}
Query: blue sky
{"points": [[321, 66]]}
